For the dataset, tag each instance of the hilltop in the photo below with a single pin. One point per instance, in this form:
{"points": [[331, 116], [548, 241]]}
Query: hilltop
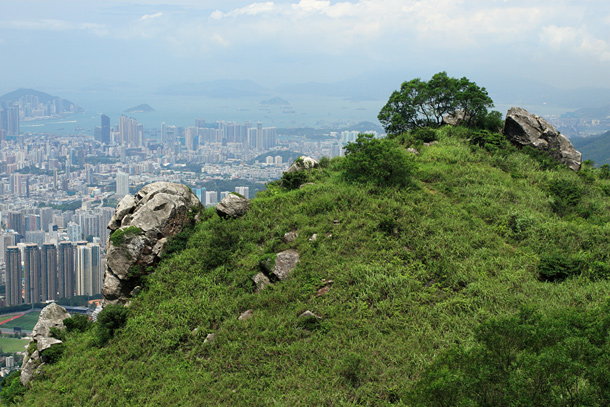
{"points": [[480, 244], [141, 108], [43, 97]]}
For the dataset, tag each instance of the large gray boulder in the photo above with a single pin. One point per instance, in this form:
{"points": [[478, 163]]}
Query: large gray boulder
{"points": [[303, 163], [526, 129], [52, 316], [454, 118], [233, 206], [285, 262], [139, 230]]}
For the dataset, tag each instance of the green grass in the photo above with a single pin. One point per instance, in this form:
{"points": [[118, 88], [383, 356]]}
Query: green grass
{"points": [[416, 270], [26, 322], [12, 345]]}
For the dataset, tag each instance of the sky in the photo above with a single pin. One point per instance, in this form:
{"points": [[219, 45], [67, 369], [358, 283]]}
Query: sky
{"points": [[154, 43]]}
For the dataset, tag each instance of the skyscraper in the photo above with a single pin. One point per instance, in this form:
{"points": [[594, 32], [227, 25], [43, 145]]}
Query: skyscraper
{"points": [[105, 129], [48, 272], [87, 271], [31, 273], [122, 184], [13, 275], [65, 270]]}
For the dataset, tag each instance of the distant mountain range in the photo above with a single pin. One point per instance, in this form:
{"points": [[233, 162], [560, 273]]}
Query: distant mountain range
{"points": [[379, 85], [596, 148]]}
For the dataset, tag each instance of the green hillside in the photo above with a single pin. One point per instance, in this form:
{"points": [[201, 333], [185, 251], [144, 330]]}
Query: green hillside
{"points": [[482, 281], [596, 148]]}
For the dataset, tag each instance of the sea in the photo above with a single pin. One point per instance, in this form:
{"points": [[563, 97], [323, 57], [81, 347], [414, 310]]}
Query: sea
{"points": [[182, 111]]}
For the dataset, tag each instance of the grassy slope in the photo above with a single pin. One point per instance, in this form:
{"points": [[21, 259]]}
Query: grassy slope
{"points": [[414, 271]]}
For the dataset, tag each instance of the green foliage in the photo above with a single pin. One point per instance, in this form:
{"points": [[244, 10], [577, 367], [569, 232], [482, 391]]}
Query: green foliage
{"points": [[378, 161], [12, 389], [414, 273], [324, 162], [112, 318], [566, 194], [426, 135], [558, 267], [529, 359], [58, 333], [78, 323], [117, 238], [293, 180], [492, 142], [52, 354], [492, 121], [422, 104]]}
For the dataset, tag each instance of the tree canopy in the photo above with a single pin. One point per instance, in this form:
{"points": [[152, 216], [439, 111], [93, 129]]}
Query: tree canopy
{"points": [[420, 104], [379, 161]]}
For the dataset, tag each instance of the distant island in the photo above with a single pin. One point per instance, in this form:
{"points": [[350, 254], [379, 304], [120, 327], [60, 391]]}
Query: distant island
{"points": [[275, 101], [41, 104], [140, 109]]}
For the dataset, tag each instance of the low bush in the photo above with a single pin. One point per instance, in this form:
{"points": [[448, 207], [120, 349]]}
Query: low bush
{"points": [[112, 318]]}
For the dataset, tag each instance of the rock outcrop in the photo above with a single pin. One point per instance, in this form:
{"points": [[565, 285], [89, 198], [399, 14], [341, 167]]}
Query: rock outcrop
{"points": [[233, 206], [525, 129], [52, 316], [454, 118], [285, 262], [303, 163], [139, 230]]}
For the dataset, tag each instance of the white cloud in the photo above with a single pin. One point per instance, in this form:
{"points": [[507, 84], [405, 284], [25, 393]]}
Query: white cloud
{"points": [[250, 10], [151, 16], [575, 40]]}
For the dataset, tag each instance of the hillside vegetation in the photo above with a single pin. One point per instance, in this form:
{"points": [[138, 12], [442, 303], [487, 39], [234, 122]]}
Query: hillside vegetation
{"points": [[480, 280]]}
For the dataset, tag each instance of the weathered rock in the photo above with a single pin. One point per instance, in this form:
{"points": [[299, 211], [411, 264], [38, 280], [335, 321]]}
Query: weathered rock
{"points": [[209, 338], [290, 236], [261, 281], [309, 314], [412, 150], [246, 315], [454, 118], [52, 316], [525, 129], [324, 290], [233, 206], [313, 237], [303, 163], [138, 232], [285, 262]]}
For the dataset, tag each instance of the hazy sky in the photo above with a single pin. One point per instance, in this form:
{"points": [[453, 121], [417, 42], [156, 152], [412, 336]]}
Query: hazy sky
{"points": [[51, 43]]}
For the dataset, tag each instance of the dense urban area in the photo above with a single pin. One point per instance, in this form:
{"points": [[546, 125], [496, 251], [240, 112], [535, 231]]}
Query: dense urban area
{"points": [[58, 192]]}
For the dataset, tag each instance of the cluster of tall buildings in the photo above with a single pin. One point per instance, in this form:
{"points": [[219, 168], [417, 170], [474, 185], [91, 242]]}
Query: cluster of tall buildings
{"points": [[37, 274], [128, 132], [9, 120], [256, 137]]}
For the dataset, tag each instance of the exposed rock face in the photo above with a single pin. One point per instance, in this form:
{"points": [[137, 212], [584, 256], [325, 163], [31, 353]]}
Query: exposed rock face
{"points": [[290, 236], [233, 206], [138, 232], [525, 129], [453, 119], [285, 262], [52, 316], [303, 163], [261, 281]]}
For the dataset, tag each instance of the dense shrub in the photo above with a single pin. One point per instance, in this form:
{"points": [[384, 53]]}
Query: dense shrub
{"points": [[77, 323], [558, 267], [525, 360], [565, 195], [12, 389], [293, 180], [51, 355], [426, 135], [491, 141], [112, 318], [379, 161]]}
